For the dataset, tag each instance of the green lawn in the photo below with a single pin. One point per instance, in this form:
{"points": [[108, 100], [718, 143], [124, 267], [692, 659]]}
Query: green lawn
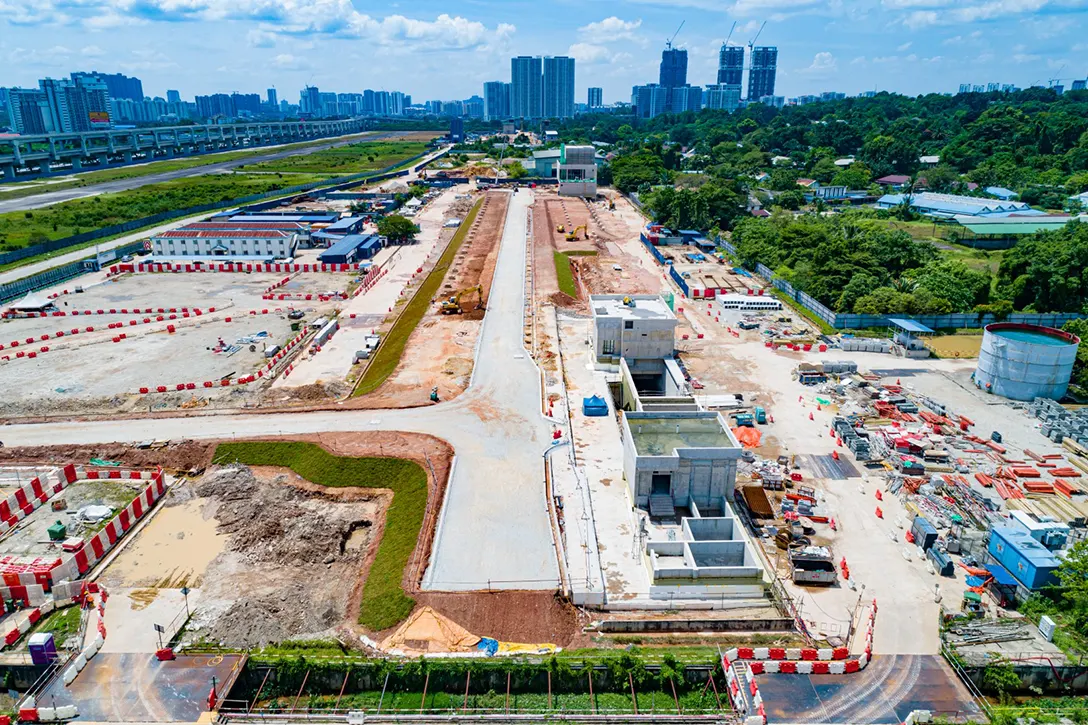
{"points": [[980, 259], [343, 160], [388, 356], [564, 272], [384, 601], [89, 178], [63, 623]]}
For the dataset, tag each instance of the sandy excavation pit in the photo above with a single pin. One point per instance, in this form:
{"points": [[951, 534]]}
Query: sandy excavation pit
{"points": [[274, 556]]}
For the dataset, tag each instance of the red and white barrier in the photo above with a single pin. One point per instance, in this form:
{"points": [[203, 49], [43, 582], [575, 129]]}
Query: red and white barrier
{"points": [[244, 267]]}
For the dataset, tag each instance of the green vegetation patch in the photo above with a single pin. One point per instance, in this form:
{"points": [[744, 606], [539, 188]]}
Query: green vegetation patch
{"points": [[386, 359], [384, 600], [63, 623], [564, 272], [343, 160]]}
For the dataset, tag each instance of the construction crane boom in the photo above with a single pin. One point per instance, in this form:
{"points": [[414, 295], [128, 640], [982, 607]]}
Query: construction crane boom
{"points": [[668, 43], [752, 42], [730, 34]]}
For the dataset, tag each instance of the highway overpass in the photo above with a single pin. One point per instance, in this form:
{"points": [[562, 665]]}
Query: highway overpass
{"points": [[26, 157]]}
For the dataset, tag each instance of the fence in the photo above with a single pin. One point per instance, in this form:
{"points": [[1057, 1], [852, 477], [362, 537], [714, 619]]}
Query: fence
{"points": [[336, 184], [858, 321]]}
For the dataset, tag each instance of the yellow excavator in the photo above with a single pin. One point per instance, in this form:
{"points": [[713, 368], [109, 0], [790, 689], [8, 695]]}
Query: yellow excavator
{"points": [[611, 203], [560, 228], [452, 306], [573, 235]]}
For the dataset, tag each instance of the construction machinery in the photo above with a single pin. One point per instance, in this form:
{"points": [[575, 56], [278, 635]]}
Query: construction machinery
{"points": [[560, 228], [453, 306], [573, 235], [611, 204]]}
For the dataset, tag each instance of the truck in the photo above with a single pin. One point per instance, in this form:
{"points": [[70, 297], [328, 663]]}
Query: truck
{"points": [[761, 415], [748, 325], [812, 565]]}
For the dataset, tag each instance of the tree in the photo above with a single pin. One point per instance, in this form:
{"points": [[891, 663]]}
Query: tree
{"points": [[516, 171], [792, 200], [631, 171], [397, 228], [823, 170], [854, 176]]}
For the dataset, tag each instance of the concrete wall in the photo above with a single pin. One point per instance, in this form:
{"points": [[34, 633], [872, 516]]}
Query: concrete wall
{"points": [[646, 339]]}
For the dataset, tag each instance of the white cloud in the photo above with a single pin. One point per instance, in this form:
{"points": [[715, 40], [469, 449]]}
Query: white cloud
{"points": [[905, 46], [91, 51], [822, 64], [261, 39], [286, 61], [589, 53], [608, 30], [924, 13]]}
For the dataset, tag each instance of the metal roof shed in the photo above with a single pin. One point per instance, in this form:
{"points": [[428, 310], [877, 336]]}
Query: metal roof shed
{"points": [[911, 326], [351, 248]]}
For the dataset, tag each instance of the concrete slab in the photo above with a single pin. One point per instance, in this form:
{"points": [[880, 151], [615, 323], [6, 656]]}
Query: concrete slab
{"points": [[131, 616], [139, 688]]}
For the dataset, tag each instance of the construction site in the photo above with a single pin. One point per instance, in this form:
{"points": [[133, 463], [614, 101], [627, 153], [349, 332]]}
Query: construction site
{"points": [[581, 464]]}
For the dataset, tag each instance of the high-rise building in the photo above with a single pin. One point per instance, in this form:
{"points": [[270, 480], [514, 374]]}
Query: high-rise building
{"points": [[1080, 85], [761, 75], [723, 97], [396, 103], [526, 93], [80, 104], [310, 100], [173, 97], [474, 107], [731, 66], [382, 103], [272, 101], [117, 84], [595, 98], [29, 111], [496, 100], [246, 104], [649, 100], [558, 87], [215, 105], [674, 67], [685, 98], [965, 87], [457, 129]]}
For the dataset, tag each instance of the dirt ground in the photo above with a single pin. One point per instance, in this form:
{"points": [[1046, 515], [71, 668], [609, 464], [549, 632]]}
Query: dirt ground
{"points": [[616, 266], [955, 346], [440, 351]]}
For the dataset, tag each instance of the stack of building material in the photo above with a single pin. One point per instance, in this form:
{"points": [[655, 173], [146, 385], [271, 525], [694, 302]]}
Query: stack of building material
{"points": [[1058, 423]]}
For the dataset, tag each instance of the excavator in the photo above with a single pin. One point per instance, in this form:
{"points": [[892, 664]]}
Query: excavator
{"points": [[452, 306], [573, 235], [560, 228]]}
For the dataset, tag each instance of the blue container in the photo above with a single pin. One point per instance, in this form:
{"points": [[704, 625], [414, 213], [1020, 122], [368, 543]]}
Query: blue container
{"points": [[1031, 563]]}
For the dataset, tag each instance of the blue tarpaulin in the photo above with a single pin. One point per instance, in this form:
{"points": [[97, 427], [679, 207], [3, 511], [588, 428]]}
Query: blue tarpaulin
{"points": [[488, 645], [594, 406], [1001, 575]]}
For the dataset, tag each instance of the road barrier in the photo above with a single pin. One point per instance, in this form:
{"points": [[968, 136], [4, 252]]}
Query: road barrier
{"points": [[240, 267]]}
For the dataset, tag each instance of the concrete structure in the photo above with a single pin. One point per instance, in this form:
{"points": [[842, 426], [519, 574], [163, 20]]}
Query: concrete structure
{"points": [[267, 244], [731, 66], [674, 67], [674, 459], [722, 97], [952, 205], [37, 154], [577, 171], [763, 72], [642, 330], [1024, 362], [351, 248], [595, 98], [558, 87], [545, 163], [711, 548], [685, 98], [457, 130], [526, 93]]}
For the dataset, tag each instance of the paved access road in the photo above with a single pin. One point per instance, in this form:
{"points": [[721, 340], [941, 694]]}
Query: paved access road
{"points": [[494, 530], [47, 198]]}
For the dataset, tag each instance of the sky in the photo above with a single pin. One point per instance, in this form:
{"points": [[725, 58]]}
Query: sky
{"points": [[446, 49]]}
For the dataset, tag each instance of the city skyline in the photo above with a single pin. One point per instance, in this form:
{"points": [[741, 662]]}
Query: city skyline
{"points": [[249, 46]]}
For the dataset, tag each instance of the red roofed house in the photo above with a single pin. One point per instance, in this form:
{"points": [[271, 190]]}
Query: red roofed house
{"points": [[808, 183], [896, 181]]}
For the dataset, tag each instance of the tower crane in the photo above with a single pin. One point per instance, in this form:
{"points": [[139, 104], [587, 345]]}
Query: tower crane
{"points": [[668, 43], [752, 42], [730, 34]]}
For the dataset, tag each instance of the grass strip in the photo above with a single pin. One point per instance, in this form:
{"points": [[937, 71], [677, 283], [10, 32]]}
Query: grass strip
{"points": [[564, 272], [384, 600], [389, 353]]}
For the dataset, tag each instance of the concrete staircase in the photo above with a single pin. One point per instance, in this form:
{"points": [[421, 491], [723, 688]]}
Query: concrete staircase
{"points": [[661, 506]]}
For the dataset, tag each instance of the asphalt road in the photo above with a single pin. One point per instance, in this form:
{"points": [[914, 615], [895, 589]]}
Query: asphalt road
{"points": [[53, 197], [494, 530], [28, 269]]}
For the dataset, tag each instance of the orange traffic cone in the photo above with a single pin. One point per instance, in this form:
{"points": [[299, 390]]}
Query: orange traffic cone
{"points": [[879, 513], [810, 416], [819, 407], [835, 455], [879, 495]]}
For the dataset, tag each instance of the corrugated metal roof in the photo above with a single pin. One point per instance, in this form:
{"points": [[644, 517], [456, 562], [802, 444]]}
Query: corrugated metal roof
{"points": [[350, 243], [909, 325], [262, 234], [1015, 226]]}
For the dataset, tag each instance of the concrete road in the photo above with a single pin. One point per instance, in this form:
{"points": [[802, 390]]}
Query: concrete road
{"points": [[494, 530], [28, 269], [53, 197]]}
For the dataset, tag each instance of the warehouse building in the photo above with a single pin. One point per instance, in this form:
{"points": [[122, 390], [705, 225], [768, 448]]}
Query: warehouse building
{"points": [[263, 245], [952, 205], [351, 249], [301, 229]]}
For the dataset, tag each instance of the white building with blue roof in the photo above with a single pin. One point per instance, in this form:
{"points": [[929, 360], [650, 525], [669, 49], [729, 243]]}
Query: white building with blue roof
{"points": [[951, 205]]}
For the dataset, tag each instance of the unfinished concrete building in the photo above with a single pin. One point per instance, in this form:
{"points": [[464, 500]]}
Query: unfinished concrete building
{"points": [[577, 171]]}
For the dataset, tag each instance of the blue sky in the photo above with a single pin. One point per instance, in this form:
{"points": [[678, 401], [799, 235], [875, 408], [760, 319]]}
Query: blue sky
{"points": [[447, 49]]}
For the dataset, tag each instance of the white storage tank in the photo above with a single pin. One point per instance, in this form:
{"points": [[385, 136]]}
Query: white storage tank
{"points": [[1024, 362]]}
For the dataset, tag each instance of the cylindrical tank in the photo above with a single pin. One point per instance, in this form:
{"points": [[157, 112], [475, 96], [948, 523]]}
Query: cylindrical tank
{"points": [[1024, 362]]}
